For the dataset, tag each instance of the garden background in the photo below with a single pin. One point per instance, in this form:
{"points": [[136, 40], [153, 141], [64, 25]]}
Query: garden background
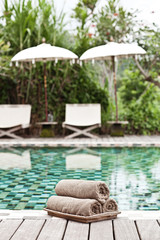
{"points": [[24, 24]]}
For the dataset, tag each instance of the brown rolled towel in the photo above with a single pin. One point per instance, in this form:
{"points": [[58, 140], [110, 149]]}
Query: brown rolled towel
{"points": [[110, 205], [83, 189], [76, 206]]}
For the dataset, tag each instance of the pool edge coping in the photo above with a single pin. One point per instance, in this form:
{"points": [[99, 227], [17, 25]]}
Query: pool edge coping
{"points": [[41, 214], [81, 142]]}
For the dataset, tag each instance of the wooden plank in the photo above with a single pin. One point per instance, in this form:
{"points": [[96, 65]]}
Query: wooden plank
{"points": [[101, 230], [53, 229], [76, 231], [148, 229], [28, 230], [8, 228], [125, 229]]}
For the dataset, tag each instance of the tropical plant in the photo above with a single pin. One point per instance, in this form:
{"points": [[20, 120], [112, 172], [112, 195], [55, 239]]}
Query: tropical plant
{"points": [[114, 23], [149, 39], [141, 103]]}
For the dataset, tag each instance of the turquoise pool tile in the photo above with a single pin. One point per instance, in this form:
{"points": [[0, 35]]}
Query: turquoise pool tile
{"points": [[18, 197], [30, 204], [25, 199], [34, 201], [14, 201], [49, 187], [8, 189], [3, 186], [28, 184], [20, 206], [44, 196], [3, 205], [23, 190], [3, 195], [28, 195], [18, 187], [38, 207], [42, 201], [38, 192], [8, 198], [48, 192]]}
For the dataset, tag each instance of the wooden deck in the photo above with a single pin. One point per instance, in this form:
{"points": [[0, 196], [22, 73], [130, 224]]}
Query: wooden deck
{"points": [[61, 229]]}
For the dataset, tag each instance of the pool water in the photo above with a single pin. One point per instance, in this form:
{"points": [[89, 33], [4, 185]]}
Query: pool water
{"points": [[28, 175]]}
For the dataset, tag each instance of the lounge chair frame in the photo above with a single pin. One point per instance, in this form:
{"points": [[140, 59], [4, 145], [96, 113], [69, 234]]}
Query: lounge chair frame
{"points": [[13, 118], [82, 115]]}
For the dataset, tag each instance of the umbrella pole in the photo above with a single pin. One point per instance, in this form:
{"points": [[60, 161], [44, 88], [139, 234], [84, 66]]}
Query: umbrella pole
{"points": [[45, 89], [115, 86]]}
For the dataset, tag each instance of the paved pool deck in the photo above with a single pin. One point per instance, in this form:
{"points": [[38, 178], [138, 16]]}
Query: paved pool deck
{"points": [[104, 141]]}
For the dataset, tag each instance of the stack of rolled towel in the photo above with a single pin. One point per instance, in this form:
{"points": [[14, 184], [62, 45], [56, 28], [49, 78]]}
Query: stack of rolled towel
{"points": [[82, 197]]}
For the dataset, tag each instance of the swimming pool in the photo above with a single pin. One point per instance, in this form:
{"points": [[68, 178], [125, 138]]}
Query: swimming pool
{"points": [[28, 175]]}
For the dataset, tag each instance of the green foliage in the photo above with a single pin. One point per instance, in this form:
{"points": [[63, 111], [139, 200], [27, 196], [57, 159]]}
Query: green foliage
{"points": [[24, 23], [20, 24], [91, 4], [149, 39], [6, 83], [80, 88], [83, 13], [132, 85], [141, 104], [114, 23], [47, 133]]}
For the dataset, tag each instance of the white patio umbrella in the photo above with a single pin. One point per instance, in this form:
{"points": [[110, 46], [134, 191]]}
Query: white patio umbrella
{"points": [[44, 52], [108, 52]]}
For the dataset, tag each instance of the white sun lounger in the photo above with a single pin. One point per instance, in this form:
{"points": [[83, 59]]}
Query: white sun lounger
{"points": [[13, 118], [82, 115]]}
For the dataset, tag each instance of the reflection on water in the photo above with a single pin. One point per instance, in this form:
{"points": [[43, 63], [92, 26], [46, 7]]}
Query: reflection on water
{"points": [[132, 174], [80, 158], [15, 159]]}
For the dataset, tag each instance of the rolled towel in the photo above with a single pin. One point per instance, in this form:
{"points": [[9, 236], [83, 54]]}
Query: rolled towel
{"points": [[76, 206], [83, 189], [110, 205]]}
